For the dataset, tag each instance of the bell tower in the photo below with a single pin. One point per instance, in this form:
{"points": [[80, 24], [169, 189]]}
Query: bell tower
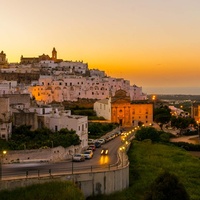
{"points": [[54, 54]]}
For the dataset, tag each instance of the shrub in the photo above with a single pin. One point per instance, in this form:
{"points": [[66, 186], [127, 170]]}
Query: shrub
{"points": [[166, 187]]}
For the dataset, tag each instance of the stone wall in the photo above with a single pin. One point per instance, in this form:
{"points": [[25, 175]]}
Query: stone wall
{"points": [[90, 183], [48, 155], [26, 78]]}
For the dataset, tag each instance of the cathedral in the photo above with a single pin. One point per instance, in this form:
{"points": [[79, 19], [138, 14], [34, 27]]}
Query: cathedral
{"points": [[3, 60], [119, 109], [32, 60]]}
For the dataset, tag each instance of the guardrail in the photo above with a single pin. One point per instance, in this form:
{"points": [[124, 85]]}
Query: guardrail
{"points": [[50, 172]]}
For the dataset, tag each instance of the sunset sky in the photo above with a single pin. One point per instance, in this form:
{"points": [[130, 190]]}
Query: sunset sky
{"points": [[153, 43]]}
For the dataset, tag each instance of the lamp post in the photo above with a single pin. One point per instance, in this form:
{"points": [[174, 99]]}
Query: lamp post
{"points": [[1, 163], [122, 153], [70, 153]]}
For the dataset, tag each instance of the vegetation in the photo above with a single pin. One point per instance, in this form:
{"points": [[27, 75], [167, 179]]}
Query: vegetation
{"points": [[183, 122], [162, 115], [51, 191], [153, 134], [148, 161], [86, 112], [24, 138], [166, 187], [187, 146], [96, 130]]}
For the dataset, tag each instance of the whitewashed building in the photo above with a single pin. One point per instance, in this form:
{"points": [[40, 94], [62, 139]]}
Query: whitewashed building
{"points": [[5, 118], [103, 108], [73, 87], [58, 120], [8, 87], [136, 93]]}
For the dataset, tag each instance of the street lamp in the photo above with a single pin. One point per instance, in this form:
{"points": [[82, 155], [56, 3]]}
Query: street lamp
{"points": [[1, 162], [70, 153], [122, 153]]}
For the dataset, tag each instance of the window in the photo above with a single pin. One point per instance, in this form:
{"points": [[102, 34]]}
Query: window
{"points": [[56, 128]]}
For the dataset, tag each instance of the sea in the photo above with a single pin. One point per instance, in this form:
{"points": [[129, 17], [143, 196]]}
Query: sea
{"points": [[172, 90]]}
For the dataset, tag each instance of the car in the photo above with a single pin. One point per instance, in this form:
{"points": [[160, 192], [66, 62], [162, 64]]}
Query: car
{"points": [[88, 154], [91, 147], [102, 141], [90, 141], [104, 151], [78, 157], [107, 139], [97, 144]]}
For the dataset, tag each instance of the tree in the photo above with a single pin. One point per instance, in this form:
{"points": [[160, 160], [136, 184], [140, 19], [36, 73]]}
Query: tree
{"points": [[147, 133], [162, 115], [166, 187], [182, 122]]}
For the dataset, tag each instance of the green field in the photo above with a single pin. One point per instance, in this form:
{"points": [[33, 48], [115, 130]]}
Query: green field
{"points": [[148, 160]]}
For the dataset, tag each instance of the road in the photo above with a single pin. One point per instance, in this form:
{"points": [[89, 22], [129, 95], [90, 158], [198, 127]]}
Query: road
{"points": [[21, 170]]}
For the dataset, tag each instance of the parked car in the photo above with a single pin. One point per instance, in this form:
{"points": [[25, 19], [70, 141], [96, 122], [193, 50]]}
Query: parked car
{"points": [[91, 147], [78, 157], [88, 154], [102, 141], [97, 144], [108, 138], [104, 151], [90, 141]]}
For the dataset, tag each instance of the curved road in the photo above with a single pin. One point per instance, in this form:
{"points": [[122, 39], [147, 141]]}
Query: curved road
{"points": [[22, 170]]}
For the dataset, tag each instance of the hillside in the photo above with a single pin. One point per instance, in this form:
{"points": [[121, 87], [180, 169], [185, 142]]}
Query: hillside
{"points": [[148, 160]]}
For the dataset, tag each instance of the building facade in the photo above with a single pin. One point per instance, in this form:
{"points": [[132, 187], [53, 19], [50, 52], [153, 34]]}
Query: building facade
{"points": [[130, 114], [5, 118], [195, 112], [124, 112]]}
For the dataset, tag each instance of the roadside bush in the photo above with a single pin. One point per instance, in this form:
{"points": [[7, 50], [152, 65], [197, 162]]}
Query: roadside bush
{"points": [[187, 146], [99, 129], [51, 191], [152, 134]]}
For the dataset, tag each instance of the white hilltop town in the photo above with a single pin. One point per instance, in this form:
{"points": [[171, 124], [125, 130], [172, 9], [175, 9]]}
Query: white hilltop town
{"points": [[28, 89]]}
